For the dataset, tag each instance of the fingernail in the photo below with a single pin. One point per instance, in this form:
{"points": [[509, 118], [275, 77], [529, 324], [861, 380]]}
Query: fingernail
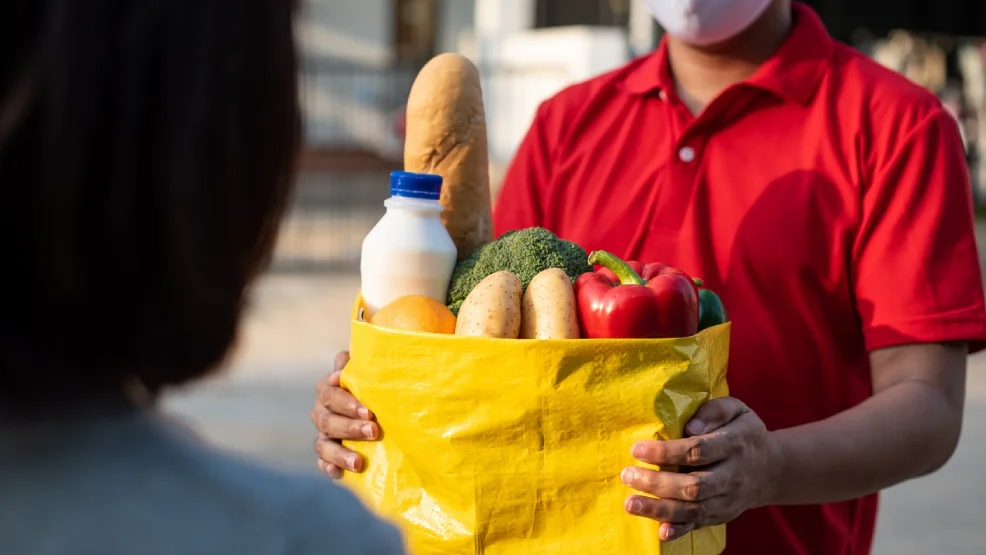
{"points": [[628, 475], [696, 427], [351, 462], [635, 506], [667, 532], [367, 431], [638, 451], [363, 413]]}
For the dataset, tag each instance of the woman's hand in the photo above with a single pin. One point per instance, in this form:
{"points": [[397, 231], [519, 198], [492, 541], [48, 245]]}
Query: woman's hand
{"points": [[338, 415], [728, 464]]}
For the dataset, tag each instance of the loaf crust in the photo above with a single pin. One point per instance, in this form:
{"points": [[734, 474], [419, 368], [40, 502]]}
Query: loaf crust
{"points": [[446, 135]]}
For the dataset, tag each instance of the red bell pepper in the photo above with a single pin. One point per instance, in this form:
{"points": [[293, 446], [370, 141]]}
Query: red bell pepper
{"points": [[648, 272], [635, 300]]}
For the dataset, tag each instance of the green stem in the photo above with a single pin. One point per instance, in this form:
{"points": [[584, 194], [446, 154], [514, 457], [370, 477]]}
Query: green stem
{"points": [[698, 282], [623, 271]]}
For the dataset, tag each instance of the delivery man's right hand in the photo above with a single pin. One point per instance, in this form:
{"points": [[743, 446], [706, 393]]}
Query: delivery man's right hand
{"points": [[338, 415]]}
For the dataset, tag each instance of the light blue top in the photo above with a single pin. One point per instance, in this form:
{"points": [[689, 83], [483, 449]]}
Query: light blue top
{"points": [[133, 483]]}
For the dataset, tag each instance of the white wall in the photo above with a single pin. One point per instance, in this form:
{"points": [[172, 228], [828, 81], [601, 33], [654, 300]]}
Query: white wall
{"points": [[643, 32], [497, 18], [455, 18], [354, 30], [520, 66], [523, 69]]}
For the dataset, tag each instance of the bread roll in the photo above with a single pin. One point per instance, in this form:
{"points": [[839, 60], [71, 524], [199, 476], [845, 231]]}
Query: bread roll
{"points": [[446, 135]]}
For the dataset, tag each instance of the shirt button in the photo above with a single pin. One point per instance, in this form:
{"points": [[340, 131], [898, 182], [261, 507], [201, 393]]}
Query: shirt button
{"points": [[686, 154], [662, 95]]}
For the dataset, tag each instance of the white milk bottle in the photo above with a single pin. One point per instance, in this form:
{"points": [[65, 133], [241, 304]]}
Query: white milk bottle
{"points": [[408, 252]]}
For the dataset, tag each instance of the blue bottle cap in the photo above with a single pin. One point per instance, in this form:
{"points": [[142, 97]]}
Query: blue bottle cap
{"points": [[415, 185]]}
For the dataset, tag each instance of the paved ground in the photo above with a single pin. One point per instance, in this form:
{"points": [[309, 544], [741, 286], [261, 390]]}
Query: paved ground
{"points": [[259, 406]]}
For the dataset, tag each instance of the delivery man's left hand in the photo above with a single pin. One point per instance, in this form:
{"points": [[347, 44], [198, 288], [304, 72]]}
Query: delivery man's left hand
{"points": [[727, 464]]}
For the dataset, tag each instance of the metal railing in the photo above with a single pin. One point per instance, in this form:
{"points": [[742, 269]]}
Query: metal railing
{"points": [[360, 107], [350, 107]]}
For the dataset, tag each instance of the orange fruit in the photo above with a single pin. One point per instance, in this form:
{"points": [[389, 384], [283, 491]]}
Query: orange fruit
{"points": [[415, 313]]}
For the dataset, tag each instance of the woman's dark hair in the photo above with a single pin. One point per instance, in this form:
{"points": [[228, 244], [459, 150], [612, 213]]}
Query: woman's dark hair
{"points": [[146, 156]]}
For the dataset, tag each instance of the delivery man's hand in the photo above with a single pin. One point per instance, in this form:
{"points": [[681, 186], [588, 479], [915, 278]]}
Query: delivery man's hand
{"points": [[338, 415], [728, 463]]}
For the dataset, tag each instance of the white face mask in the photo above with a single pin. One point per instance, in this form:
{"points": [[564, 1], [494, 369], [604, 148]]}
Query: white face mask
{"points": [[705, 22]]}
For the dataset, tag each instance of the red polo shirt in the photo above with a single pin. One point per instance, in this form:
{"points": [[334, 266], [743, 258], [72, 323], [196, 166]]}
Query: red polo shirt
{"points": [[825, 198]]}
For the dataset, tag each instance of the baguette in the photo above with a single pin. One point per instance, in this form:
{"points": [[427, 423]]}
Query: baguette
{"points": [[446, 135]]}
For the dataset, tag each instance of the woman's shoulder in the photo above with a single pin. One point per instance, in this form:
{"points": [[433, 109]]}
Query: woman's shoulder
{"points": [[331, 518], [308, 512], [162, 490]]}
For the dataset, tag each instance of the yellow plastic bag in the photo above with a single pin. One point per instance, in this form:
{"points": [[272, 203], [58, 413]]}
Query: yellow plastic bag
{"points": [[510, 447]]}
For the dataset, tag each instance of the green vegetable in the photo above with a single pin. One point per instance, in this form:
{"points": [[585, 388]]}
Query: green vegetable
{"points": [[525, 252], [711, 311]]}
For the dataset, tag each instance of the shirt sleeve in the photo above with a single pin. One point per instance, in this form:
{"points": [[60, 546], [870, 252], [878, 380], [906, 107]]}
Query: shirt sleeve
{"points": [[917, 274], [518, 204]]}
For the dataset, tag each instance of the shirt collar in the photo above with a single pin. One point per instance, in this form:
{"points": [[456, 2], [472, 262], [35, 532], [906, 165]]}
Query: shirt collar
{"points": [[793, 72]]}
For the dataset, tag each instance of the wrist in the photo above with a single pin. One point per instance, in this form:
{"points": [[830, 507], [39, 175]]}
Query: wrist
{"points": [[775, 470]]}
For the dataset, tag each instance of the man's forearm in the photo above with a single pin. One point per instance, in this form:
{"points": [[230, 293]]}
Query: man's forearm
{"points": [[903, 432]]}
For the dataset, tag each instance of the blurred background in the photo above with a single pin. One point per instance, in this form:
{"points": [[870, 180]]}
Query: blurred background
{"points": [[359, 60]]}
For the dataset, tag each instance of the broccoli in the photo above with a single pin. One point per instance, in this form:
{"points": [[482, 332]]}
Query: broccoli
{"points": [[525, 252]]}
